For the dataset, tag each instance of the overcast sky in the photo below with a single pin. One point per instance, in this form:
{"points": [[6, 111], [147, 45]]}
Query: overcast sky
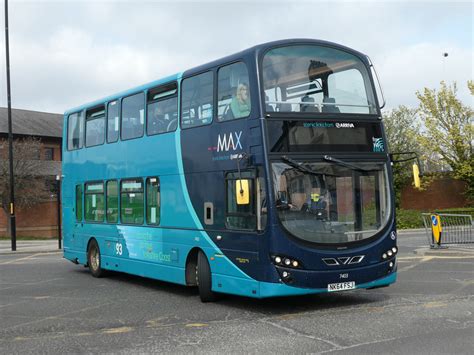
{"points": [[65, 53]]}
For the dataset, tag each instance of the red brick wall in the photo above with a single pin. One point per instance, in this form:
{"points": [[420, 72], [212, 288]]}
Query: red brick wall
{"points": [[38, 221], [441, 193]]}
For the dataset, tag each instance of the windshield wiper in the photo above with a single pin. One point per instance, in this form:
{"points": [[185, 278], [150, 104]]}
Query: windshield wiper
{"points": [[301, 166], [333, 160]]}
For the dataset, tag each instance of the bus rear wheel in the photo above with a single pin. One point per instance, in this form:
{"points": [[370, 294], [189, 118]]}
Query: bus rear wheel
{"points": [[204, 279], [93, 259]]}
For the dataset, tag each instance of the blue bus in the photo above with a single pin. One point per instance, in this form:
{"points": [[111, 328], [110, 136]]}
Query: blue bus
{"points": [[264, 173]]}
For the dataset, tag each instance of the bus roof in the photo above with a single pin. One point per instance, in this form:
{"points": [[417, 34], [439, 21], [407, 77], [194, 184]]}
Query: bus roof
{"points": [[250, 52]]}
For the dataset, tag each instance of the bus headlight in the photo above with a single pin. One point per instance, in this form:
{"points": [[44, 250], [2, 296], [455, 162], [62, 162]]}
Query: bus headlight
{"points": [[390, 253], [285, 261]]}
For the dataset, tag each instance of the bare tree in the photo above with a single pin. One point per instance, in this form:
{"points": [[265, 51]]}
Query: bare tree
{"points": [[32, 185]]}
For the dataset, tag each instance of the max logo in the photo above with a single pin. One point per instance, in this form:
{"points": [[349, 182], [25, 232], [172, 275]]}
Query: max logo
{"points": [[228, 142]]}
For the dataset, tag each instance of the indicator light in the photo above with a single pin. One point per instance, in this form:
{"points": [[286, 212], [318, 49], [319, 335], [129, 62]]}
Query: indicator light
{"points": [[277, 259]]}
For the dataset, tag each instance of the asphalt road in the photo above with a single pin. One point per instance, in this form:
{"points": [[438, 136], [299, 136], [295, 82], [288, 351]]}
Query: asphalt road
{"points": [[49, 305]]}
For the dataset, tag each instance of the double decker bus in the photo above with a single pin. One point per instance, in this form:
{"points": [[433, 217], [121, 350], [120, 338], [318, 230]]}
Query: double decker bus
{"points": [[265, 173]]}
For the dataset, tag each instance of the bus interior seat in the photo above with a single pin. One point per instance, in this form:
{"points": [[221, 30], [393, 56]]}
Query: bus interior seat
{"points": [[268, 107], [309, 104], [284, 107], [330, 108]]}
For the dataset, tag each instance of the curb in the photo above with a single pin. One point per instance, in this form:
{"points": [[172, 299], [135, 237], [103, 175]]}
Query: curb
{"points": [[453, 251], [407, 231]]}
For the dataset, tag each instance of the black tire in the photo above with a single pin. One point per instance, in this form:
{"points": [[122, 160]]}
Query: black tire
{"points": [[93, 259], [204, 279]]}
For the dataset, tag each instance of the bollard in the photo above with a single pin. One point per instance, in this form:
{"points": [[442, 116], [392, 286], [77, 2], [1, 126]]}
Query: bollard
{"points": [[436, 230]]}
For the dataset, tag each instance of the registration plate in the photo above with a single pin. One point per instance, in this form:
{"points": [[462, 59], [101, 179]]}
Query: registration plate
{"points": [[342, 286]]}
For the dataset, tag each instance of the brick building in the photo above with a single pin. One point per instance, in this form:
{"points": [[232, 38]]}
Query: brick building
{"points": [[40, 220]]}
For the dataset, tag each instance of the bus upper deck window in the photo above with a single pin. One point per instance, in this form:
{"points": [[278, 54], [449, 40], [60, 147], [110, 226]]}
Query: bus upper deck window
{"points": [[316, 79], [162, 109], [112, 122], [197, 100], [233, 92], [95, 126], [75, 133], [133, 116]]}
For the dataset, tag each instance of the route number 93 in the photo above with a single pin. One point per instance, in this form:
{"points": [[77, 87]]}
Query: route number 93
{"points": [[118, 249]]}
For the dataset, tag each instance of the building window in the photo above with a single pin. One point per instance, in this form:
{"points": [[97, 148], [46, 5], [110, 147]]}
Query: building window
{"points": [[79, 203], [48, 153], [131, 201], [75, 134], [133, 116], [94, 202], [95, 126], [153, 200], [112, 201], [233, 92], [112, 122], [197, 100]]}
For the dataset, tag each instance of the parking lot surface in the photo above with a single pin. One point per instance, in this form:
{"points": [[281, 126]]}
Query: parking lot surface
{"points": [[49, 305]]}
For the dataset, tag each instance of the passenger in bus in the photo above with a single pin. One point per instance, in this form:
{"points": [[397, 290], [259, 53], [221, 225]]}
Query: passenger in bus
{"points": [[159, 121], [240, 105]]}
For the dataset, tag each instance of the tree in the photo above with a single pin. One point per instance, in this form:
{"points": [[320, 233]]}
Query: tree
{"points": [[449, 130], [402, 130], [30, 187]]}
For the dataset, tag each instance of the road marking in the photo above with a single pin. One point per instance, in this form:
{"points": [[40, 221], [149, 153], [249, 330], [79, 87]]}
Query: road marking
{"points": [[15, 260], [119, 330], [196, 325], [435, 304]]}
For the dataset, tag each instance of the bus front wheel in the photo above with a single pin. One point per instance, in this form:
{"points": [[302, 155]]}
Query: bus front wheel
{"points": [[204, 279], [93, 259]]}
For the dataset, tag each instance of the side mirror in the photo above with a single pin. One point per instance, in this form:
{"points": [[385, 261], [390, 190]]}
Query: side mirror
{"points": [[416, 175], [417, 172], [242, 191]]}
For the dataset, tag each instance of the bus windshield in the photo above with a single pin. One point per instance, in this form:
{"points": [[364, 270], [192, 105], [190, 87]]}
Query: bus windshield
{"points": [[331, 202], [316, 79]]}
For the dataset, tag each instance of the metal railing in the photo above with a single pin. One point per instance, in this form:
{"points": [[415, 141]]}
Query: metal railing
{"points": [[453, 228]]}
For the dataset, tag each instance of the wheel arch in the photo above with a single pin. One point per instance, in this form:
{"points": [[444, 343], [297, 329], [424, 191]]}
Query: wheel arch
{"points": [[191, 264]]}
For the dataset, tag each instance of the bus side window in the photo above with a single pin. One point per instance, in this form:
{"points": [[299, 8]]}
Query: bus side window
{"points": [[94, 202], [240, 216], [153, 203], [133, 116], [131, 201], [75, 134], [112, 122], [95, 126], [197, 100], [79, 203], [233, 92], [112, 201]]}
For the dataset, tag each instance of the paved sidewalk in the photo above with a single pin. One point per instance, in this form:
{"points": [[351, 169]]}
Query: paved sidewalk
{"points": [[29, 246]]}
